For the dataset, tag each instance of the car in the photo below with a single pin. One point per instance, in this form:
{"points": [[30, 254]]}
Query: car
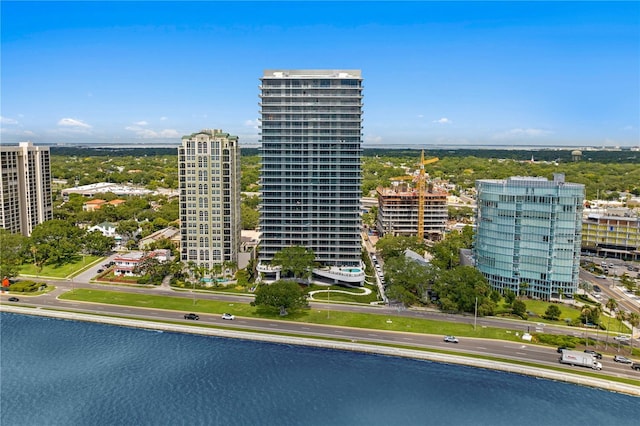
{"points": [[191, 317], [597, 289], [622, 338], [227, 316], [635, 366], [450, 339], [100, 271], [13, 299], [561, 348], [622, 359], [594, 353], [601, 277]]}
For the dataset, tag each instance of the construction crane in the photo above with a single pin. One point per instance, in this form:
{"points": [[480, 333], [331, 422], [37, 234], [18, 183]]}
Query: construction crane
{"points": [[422, 194], [421, 178]]}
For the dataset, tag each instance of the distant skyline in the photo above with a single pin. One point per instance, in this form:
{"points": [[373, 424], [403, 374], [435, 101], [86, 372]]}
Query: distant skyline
{"points": [[435, 73]]}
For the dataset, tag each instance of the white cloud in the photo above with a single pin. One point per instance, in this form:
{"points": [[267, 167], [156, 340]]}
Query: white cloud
{"points": [[71, 122], [252, 123], [372, 139], [522, 133], [152, 134], [7, 120], [443, 120], [164, 118], [141, 123], [420, 116]]}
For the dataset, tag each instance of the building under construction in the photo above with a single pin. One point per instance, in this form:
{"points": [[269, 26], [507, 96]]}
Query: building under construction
{"points": [[398, 209]]}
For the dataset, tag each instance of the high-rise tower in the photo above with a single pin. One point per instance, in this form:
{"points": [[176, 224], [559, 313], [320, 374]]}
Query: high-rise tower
{"points": [[209, 182], [25, 194], [529, 232], [311, 135]]}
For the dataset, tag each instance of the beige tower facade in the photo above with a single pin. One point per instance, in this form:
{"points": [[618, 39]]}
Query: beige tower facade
{"points": [[209, 183], [25, 194]]}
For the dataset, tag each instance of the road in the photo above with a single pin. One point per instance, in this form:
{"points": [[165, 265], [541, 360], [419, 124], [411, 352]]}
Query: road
{"points": [[503, 349]]}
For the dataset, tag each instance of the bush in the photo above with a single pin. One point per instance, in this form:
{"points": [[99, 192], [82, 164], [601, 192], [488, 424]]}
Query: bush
{"points": [[558, 340], [26, 287]]}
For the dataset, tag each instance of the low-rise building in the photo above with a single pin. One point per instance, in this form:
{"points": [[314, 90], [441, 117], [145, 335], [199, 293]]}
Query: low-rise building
{"points": [[127, 262], [169, 233], [612, 233]]}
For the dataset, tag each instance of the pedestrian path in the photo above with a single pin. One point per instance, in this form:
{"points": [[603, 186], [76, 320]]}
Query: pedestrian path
{"points": [[364, 291]]}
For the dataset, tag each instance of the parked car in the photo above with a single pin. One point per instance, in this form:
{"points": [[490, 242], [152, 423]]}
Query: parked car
{"points": [[191, 317], [226, 316], [450, 339], [594, 353], [13, 299], [622, 359]]}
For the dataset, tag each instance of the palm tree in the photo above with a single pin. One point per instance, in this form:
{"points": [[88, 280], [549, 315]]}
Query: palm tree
{"points": [[611, 305], [620, 316], [634, 320], [523, 288]]}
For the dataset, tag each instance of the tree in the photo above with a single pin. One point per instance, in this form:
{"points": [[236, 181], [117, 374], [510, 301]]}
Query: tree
{"points": [[56, 241], [11, 247], [283, 295], [509, 296], [461, 286], [552, 313], [96, 243], [408, 280], [127, 229], [296, 260], [392, 246], [612, 305], [634, 320], [524, 286], [154, 269], [519, 308]]}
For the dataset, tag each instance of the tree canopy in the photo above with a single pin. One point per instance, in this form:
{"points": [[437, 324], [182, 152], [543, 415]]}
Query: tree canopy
{"points": [[283, 295], [11, 247], [295, 261]]}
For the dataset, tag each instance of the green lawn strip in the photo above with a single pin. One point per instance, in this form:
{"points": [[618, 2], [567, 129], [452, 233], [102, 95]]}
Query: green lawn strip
{"points": [[539, 307], [61, 271], [339, 318]]}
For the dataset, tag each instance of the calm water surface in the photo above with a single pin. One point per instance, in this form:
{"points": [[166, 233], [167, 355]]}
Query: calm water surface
{"points": [[58, 372]]}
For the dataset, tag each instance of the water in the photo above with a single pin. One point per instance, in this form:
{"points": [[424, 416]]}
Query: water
{"points": [[57, 372]]}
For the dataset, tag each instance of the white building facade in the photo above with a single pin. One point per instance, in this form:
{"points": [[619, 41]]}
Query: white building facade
{"points": [[209, 184], [311, 134], [529, 231], [25, 193]]}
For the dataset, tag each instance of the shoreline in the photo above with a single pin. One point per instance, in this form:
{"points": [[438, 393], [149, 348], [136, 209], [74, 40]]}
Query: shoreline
{"points": [[354, 346]]}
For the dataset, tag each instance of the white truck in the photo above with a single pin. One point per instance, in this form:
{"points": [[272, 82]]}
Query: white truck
{"points": [[580, 358]]}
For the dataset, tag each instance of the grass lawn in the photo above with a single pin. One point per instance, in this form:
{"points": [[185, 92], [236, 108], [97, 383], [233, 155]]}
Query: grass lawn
{"points": [[63, 271], [566, 311], [348, 319]]}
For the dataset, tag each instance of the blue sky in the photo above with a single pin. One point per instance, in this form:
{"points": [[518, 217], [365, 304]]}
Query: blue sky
{"points": [[435, 73]]}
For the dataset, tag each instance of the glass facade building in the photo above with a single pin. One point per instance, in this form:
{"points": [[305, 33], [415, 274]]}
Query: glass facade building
{"points": [[528, 235], [209, 183], [311, 134]]}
